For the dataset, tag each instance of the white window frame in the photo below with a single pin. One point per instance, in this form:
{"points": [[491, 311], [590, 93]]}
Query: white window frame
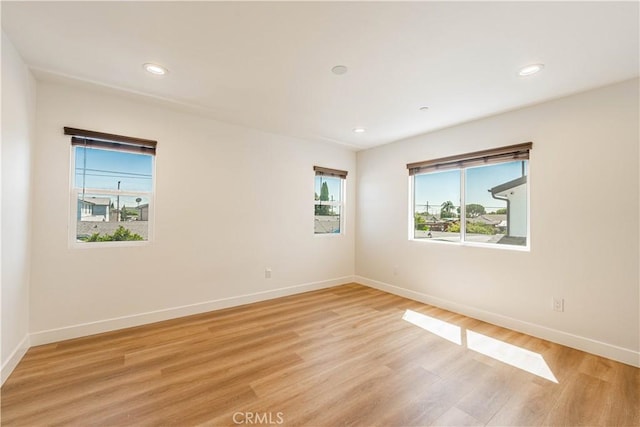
{"points": [[341, 204], [73, 207], [463, 225]]}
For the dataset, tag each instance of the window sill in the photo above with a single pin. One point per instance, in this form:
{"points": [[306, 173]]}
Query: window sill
{"points": [[526, 248], [120, 244], [328, 235]]}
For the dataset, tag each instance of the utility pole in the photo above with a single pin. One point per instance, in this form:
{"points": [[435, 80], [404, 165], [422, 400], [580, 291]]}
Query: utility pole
{"points": [[118, 204]]}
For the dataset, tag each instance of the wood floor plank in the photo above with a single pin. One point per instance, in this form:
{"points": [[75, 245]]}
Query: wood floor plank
{"points": [[529, 406], [455, 417], [337, 356], [583, 402]]}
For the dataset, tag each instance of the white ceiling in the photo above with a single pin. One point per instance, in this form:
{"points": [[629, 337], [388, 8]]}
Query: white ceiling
{"points": [[268, 65]]}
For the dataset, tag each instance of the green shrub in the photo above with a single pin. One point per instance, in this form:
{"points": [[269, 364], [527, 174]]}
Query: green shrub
{"points": [[479, 228], [473, 228], [420, 223], [121, 234]]}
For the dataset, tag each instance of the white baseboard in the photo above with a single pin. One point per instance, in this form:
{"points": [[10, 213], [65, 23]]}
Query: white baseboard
{"points": [[10, 364], [620, 354], [610, 351], [91, 328]]}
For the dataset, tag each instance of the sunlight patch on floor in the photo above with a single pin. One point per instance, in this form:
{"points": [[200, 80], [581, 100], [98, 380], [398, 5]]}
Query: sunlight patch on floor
{"points": [[439, 327], [510, 354]]}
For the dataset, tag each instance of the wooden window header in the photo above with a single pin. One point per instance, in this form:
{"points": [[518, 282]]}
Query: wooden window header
{"points": [[93, 139], [320, 171], [477, 158]]}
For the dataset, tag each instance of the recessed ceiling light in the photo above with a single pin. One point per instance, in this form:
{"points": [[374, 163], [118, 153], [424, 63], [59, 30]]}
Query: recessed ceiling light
{"points": [[155, 69], [424, 108], [359, 130], [339, 69], [530, 69]]}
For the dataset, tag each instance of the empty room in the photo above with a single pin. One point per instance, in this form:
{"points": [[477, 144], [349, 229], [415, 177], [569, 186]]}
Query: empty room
{"points": [[320, 213]]}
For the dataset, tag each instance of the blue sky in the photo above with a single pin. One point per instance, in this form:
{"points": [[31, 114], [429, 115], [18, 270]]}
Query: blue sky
{"points": [[437, 188], [333, 184], [104, 168]]}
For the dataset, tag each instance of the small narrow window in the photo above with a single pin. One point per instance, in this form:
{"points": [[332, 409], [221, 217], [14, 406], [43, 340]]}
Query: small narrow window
{"points": [[479, 197], [329, 200], [112, 187]]}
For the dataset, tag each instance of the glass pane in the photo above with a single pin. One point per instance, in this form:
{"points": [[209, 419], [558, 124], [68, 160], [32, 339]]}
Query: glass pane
{"points": [[329, 223], [437, 206], [104, 218], [496, 203], [328, 195], [112, 170]]}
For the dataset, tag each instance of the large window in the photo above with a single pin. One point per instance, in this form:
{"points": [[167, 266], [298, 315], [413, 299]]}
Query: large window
{"points": [[112, 187], [328, 200], [479, 197]]}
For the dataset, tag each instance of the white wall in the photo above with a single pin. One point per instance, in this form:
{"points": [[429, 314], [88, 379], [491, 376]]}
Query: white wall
{"points": [[584, 224], [18, 115], [254, 190], [230, 202], [517, 219]]}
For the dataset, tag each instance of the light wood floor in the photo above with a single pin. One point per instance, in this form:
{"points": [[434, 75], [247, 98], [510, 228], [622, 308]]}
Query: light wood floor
{"points": [[339, 356]]}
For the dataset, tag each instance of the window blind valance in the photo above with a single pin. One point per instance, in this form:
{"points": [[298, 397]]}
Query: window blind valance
{"points": [[89, 138], [320, 171], [477, 158]]}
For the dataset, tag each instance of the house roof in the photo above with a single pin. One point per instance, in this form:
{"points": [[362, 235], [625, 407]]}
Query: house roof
{"points": [[508, 185], [491, 219], [98, 201], [496, 217]]}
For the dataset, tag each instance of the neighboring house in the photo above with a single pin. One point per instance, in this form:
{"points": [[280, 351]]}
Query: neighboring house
{"points": [[430, 219], [489, 219], [144, 212], [496, 219], [515, 194], [93, 209], [437, 224]]}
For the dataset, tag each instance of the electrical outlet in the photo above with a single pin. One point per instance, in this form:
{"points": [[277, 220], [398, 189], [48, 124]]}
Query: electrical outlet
{"points": [[395, 270], [267, 273], [558, 304]]}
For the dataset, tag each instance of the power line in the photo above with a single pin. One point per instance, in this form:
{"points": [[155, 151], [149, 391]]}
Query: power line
{"points": [[118, 176], [121, 173]]}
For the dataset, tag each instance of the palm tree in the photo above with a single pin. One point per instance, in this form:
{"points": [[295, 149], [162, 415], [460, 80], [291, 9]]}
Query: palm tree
{"points": [[446, 208]]}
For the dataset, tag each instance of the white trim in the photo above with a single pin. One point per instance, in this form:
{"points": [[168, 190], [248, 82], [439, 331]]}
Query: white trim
{"points": [[90, 328], [341, 204], [411, 226], [463, 211], [610, 351], [463, 205], [471, 244], [327, 235], [73, 206], [327, 203], [10, 364]]}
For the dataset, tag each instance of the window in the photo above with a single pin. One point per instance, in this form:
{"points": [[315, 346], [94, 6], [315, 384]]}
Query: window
{"points": [[437, 205], [112, 187], [489, 189], [328, 200]]}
